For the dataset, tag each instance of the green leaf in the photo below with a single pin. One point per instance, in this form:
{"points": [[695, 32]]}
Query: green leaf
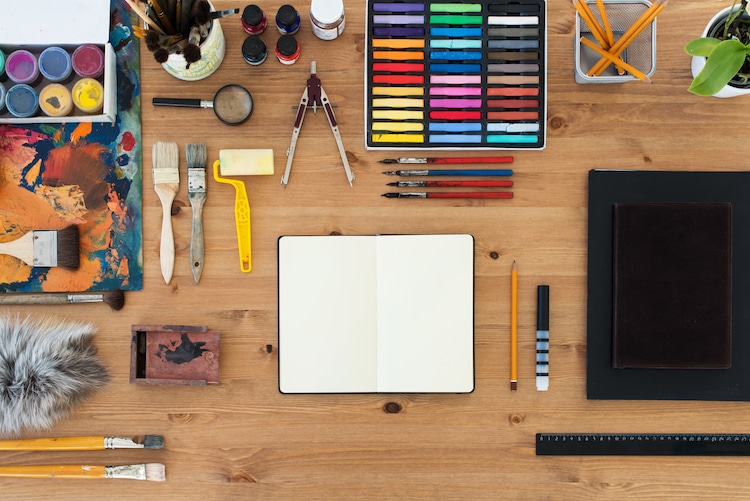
{"points": [[701, 46], [722, 64]]}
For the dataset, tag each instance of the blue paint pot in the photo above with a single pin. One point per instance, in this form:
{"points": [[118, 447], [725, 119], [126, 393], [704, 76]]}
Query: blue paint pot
{"points": [[55, 64], [287, 20], [22, 101]]}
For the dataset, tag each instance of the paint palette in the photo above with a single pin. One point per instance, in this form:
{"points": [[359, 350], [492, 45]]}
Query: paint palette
{"points": [[450, 75]]}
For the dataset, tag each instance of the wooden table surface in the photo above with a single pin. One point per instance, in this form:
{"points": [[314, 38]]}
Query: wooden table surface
{"points": [[242, 439]]}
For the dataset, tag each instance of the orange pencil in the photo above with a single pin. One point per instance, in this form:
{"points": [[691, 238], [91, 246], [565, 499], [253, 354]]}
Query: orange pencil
{"points": [[514, 327], [630, 35]]}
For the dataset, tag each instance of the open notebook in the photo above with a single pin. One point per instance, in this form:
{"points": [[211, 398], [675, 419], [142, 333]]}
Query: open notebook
{"points": [[385, 313]]}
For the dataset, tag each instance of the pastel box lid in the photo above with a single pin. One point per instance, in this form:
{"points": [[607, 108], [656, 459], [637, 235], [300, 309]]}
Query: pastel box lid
{"points": [[42, 22]]}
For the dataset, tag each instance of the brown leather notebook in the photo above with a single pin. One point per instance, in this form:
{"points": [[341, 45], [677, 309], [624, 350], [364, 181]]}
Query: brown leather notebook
{"points": [[672, 286]]}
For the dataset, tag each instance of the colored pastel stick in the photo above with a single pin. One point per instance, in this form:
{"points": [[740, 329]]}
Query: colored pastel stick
{"points": [[513, 44], [513, 115], [398, 7], [513, 79], [513, 91], [455, 79], [455, 44], [398, 67], [397, 115], [398, 79], [455, 32], [448, 55], [397, 43], [512, 139], [394, 55], [455, 138], [513, 68], [455, 68], [459, 20], [386, 19], [513, 20], [395, 102], [456, 7], [455, 127], [455, 103], [398, 126], [513, 103], [455, 115], [398, 91], [512, 127], [398, 31], [455, 91], [398, 138]]}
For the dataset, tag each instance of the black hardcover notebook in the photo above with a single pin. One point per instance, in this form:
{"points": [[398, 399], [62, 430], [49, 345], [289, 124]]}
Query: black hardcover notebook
{"points": [[671, 285], [668, 282]]}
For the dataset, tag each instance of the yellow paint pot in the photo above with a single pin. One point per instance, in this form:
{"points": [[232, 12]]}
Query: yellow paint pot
{"points": [[88, 95], [55, 100]]}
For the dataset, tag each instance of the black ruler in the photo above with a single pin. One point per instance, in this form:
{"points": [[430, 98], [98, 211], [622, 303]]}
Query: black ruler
{"points": [[642, 444]]}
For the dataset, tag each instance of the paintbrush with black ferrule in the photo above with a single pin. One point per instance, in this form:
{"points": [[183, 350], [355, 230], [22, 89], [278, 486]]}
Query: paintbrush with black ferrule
{"points": [[115, 299], [47, 248], [89, 443], [195, 155]]}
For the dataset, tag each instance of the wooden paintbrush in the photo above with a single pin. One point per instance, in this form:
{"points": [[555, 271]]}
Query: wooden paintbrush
{"points": [[47, 248], [115, 299], [166, 158], [154, 472], [93, 443], [195, 155]]}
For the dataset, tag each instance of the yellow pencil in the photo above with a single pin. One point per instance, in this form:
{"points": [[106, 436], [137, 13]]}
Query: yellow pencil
{"points": [[645, 20], [588, 17], [619, 62], [514, 327], [605, 23]]}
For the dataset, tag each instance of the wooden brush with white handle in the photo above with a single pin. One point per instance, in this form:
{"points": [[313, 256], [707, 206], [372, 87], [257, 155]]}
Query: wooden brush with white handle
{"points": [[154, 472], [166, 158]]}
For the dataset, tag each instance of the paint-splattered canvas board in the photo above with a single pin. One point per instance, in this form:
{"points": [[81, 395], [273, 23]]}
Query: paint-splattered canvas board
{"points": [[88, 174], [442, 74]]}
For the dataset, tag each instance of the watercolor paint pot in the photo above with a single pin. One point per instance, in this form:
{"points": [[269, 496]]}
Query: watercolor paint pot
{"points": [[55, 100], [213, 49], [88, 61], [22, 101], [21, 66], [88, 95], [55, 64]]}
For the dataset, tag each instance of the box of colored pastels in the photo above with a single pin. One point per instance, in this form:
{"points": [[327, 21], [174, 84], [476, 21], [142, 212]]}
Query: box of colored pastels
{"points": [[622, 17], [443, 74], [56, 62]]}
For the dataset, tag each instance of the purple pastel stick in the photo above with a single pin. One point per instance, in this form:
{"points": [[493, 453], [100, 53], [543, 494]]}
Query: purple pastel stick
{"points": [[398, 32], [398, 7]]}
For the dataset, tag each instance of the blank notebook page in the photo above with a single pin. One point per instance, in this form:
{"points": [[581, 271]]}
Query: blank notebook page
{"points": [[363, 314]]}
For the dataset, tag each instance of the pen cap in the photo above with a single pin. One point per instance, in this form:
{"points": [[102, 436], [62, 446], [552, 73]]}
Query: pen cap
{"points": [[542, 313]]}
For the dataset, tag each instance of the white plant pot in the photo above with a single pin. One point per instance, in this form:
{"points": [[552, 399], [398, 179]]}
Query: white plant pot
{"points": [[698, 63]]}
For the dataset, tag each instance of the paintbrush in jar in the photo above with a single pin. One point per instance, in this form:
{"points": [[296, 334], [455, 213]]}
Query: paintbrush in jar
{"points": [[165, 158]]}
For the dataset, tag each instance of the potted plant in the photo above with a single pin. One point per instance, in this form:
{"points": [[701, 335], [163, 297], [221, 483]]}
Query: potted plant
{"points": [[721, 56]]}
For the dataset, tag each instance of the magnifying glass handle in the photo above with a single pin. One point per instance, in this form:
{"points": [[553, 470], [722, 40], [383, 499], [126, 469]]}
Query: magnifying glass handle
{"points": [[185, 103]]}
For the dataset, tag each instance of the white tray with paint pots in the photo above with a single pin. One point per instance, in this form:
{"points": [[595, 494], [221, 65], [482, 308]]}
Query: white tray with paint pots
{"points": [[34, 25]]}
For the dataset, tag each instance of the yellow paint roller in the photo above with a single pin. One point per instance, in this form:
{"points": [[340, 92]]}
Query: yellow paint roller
{"points": [[256, 162]]}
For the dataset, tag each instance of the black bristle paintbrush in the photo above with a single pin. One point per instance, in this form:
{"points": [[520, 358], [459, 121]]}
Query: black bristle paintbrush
{"points": [[195, 155], [47, 248], [115, 299], [92, 443]]}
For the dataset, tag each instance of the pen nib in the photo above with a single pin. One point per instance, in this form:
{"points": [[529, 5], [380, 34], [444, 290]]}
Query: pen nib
{"points": [[389, 161]]}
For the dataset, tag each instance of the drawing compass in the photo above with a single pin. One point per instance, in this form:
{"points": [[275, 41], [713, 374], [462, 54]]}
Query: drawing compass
{"points": [[313, 97]]}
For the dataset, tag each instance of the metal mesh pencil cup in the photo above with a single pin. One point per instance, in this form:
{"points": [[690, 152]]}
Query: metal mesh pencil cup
{"points": [[641, 53]]}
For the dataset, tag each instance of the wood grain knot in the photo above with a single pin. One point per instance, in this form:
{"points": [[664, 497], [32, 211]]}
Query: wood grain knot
{"points": [[242, 477], [334, 232], [647, 159], [516, 419], [352, 157], [392, 408], [494, 255], [269, 348], [177, 205], [180, 418], [556, 123]]}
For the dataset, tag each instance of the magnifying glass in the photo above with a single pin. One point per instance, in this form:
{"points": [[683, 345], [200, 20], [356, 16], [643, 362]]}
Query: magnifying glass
{"points": [[232, 104]]}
